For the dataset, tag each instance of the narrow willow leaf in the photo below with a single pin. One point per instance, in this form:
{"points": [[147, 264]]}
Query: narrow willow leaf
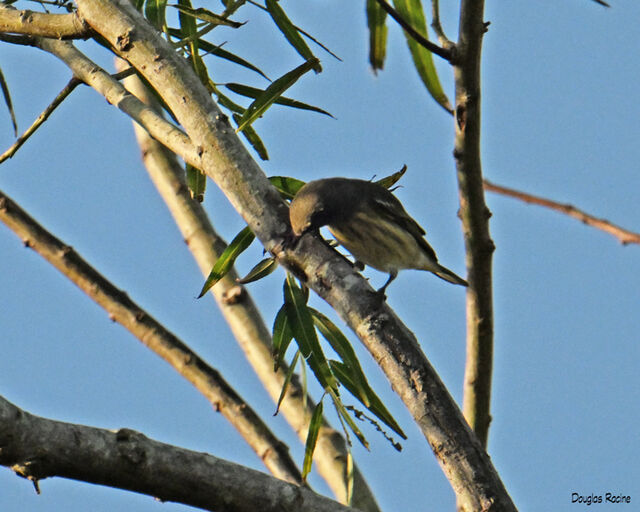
{"points": [[262, 269], [254, 92], [305, 335], [312, 437], [288, 187], [282, 336], [376, 21], [273, 92], [228, 258], [218, 51], [224, 100], [189, 31], [287, 381], [344, 415], [391, 180], [155, 12], [206, 15], [361, 390], [197, 182], [291, 33], [411, 11], [253, 138], [7, 100], [336, 339]]}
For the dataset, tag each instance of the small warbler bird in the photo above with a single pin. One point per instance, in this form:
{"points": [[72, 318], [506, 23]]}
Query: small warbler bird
{"points": [[370, 222]]}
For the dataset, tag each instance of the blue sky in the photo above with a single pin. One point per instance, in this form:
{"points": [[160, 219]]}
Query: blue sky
{"points": [[560, 119]]}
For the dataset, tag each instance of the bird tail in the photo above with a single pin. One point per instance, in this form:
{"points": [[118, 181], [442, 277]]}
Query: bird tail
{"points": [[447, 275]]}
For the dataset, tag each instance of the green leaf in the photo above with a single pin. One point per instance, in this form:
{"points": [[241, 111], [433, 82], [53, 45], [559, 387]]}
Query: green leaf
{"points": [[291, 33], [287, 380], [391, 180], [312, 438], [253, 138], [218, 51], [7, 100], [254, 92], [189, 31], [197, 182], [376, 17], [228, 258], [273, 92], [155, 12], [358, 386], [411, 11], [288, 187], [336, 339], [305, 334], [282, 336], [206, 15], [225, 101], [262, 269]]}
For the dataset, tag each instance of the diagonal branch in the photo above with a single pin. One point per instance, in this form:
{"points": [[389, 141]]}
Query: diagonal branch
{"points": [[62, 95], [37, 448], [224, 158], [155, 336], [243, 317], [623, 235]]}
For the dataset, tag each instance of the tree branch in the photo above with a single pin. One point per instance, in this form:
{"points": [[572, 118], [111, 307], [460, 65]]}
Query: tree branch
{"points": [[437, 26], [151, 333], [228, 163], [475, 220], [242, 315], [445, 53], [55, 26], [115, 93], [623, 235], [37, 448], [62, 95]]}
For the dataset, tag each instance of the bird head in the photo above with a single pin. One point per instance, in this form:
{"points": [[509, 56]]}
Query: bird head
{"points": [[309, 209]]}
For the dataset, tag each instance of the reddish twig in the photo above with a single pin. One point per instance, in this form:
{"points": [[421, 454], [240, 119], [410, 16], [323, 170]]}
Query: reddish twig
{"points": [[625, 236]]}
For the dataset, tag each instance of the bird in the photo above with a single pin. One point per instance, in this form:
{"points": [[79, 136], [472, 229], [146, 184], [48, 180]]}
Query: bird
{"points": [[370, 222]]}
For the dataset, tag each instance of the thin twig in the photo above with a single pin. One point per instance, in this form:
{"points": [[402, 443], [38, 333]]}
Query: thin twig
{"points": [[154, 335], [623, 235], [437, 26], [62, 95], [445, 53]]}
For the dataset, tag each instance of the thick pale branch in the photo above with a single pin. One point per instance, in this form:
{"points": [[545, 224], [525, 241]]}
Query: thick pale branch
{"points": [[37, 448], [243, 316], [475, 220], [229, 164], [55, 26], [123, 310], [623, 235]]}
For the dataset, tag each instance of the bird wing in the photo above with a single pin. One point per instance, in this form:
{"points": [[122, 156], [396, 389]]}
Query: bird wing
{"points": [[393, 210]]}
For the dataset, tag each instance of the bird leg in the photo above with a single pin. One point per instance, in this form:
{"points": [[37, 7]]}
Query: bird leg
{"points": [[392, 275]]}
